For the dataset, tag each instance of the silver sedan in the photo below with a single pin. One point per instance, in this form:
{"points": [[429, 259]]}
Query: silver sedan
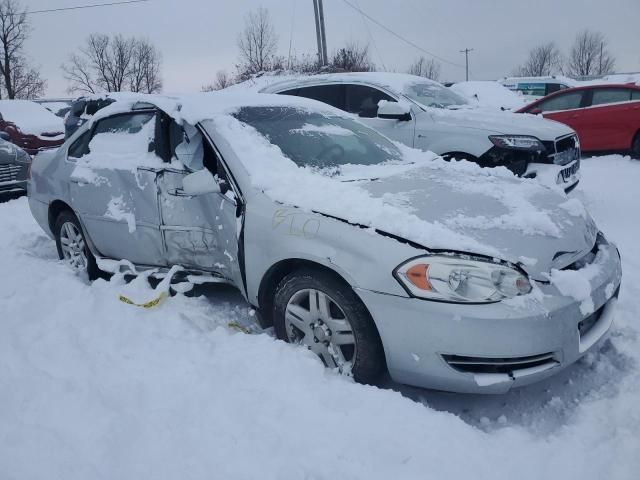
{"points": [[372, 255]]}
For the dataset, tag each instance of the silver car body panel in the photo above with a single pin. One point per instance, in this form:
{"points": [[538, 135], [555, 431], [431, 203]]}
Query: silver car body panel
{"points": [[242, 234]]}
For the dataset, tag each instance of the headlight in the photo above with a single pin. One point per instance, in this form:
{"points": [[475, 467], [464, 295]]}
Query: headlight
{"points": [[461, 279], [521, 142]]}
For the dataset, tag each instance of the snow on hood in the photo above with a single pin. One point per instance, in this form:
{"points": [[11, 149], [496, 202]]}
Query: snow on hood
{"points": [[453, 206], [30, 117], [498, 122]]}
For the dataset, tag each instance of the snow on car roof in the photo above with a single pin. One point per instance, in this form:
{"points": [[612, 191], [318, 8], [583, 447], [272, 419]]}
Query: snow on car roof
{"points": [[205, 106], [30, 117], [393, 81]]}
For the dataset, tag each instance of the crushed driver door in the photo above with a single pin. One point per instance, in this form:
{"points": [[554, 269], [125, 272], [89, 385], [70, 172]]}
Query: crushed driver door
{"points": [[200, 231]]}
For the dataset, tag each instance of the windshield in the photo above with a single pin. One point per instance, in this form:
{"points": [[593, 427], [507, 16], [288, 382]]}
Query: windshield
{"points": [[433, 95], [316, 140]]}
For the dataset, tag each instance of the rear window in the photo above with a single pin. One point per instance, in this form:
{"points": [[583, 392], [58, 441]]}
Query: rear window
{"points": [[602, 96]]}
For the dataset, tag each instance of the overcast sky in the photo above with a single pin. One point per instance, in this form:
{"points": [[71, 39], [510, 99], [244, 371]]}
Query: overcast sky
{"points": [[198, 37]]}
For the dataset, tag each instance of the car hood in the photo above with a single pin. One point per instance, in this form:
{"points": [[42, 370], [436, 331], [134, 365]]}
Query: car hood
{"points": [[517, 219], [495, 122]]}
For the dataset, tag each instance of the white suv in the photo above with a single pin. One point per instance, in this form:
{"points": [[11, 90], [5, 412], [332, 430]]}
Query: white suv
{"points": [[424, 114]]}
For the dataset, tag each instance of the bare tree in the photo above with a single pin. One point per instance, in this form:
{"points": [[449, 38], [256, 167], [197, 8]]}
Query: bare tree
{"points": [[543, 60], [144, 75], [223, 80], [26, 80], [19, 79], [352, 58], [589, 55], [422, 67], [304, 64], [114, 64], [257, 43]]}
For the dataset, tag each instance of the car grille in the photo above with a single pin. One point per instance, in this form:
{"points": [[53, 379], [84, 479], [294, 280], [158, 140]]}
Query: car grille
{"points": [[9, 173], [506, 365], [563, 150]]}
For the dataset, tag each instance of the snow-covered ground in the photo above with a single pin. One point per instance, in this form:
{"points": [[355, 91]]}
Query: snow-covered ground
{"points": [[91, 387]]}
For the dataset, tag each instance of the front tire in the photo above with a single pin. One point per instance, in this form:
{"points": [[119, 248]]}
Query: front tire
{"points": [[315, 309], [72, 245]]}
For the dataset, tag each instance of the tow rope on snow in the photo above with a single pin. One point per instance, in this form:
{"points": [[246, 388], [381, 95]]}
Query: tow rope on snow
{"points": [[149, 304]]}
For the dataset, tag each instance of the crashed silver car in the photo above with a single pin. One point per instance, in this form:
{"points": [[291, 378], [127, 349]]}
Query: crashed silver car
{"points": [[373, 255]]}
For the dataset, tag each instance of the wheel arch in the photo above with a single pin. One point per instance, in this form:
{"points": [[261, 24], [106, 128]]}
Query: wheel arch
{"points": [[274, 275], [55, 209]]}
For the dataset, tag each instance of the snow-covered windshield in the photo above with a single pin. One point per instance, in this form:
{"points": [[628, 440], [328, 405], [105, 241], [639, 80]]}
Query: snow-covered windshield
{"points": [[433, 95], [313, 139]]}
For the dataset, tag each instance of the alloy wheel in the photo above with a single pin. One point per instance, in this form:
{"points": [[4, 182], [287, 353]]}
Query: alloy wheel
{"points": [[314, 319], [73, 246]]}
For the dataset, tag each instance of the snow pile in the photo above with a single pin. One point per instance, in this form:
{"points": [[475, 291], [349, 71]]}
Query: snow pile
{"points": [[95, 388], [31, 118], [490, 95]]}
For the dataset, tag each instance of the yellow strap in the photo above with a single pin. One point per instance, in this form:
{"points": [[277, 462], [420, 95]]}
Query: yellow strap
{"points": [[149, 304], [237, 326]]}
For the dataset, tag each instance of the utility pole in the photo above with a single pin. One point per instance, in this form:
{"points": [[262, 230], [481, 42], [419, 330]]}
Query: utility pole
{"points": [[325, 60], [466, 59], [320, 32]]}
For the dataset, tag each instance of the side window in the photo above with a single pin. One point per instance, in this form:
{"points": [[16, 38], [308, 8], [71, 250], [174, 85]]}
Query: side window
{"points": [[635, 94], [565, 101], [330, 94], [602, 96], [534, 89], [80, 147], [126, 133], [363, 100]]}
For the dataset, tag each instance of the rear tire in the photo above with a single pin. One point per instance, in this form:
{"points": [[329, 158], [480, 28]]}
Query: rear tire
{"points": [[315, 309], [72, 245]]}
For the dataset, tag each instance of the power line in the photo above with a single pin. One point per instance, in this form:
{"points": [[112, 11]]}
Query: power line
{"points": [[371, 39], [78, 7], [397, 35]]}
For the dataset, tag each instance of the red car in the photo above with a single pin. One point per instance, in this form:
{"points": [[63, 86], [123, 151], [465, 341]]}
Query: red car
{"points": [[30, 126], [606, 117]]}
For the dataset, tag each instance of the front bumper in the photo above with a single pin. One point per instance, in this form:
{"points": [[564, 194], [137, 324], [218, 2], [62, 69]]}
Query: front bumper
{"points": [[564, 176], [455, 347]]}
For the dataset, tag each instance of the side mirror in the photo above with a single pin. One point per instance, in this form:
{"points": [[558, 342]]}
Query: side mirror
{"points": [[394, 110], [200, 183], [535, 111], [5, 136]]}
